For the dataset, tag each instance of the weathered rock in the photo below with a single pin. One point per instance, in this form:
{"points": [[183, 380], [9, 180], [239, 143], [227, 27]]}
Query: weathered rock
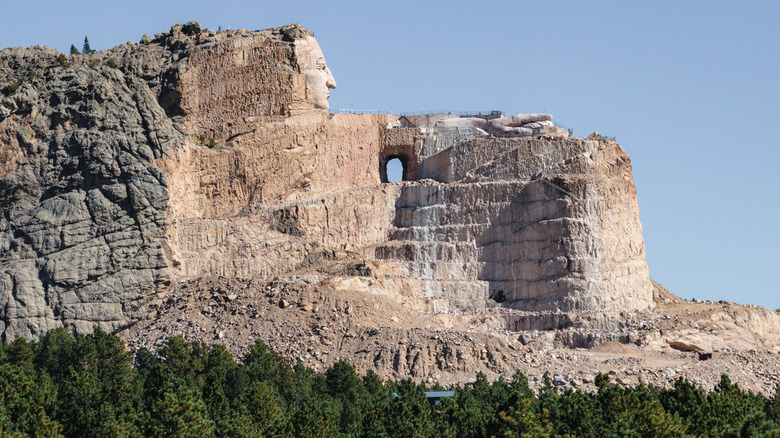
{"points": [[518, 125], [208, 155], [191, 28], [84, 205], [88, 208], [684, 345]]}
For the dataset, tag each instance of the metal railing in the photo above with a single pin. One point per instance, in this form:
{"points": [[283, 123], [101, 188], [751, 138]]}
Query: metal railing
{"points": [[488, 114], [361, 111]]}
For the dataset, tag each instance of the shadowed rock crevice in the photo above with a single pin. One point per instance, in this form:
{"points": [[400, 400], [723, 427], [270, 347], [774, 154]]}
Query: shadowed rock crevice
{"points": [[286, 222]]}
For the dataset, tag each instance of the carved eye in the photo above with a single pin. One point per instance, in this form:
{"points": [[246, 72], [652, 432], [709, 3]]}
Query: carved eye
{"points": [[321, 64]]}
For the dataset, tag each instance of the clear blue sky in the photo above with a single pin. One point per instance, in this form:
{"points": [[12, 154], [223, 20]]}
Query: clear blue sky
{"points": [[690, 89]]}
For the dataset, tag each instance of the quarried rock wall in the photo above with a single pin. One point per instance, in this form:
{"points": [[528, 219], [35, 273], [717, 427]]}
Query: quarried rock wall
{"points": [[554, 223], [200, 154]]}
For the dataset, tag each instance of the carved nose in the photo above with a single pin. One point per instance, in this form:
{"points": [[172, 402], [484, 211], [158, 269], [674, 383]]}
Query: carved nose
{"points": [[330, 83]]}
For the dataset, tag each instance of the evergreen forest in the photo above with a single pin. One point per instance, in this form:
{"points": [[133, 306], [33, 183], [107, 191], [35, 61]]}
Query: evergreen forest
{"points": [[91, 386]]}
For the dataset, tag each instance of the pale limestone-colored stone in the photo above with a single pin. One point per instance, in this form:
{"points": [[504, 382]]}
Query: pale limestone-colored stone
{"points": [[519, 124], [319, 79], [430, 218], [731, 327]]}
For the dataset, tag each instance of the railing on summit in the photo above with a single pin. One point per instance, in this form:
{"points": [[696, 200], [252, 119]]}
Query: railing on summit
{"points": [[361, 111], [483, 114]]}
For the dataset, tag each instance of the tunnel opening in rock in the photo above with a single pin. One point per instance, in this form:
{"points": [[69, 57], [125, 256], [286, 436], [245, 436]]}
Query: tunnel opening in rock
{"points": [[394, 168]]}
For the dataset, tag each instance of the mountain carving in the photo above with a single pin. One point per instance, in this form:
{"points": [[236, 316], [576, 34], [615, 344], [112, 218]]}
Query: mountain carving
{"points": [[195, 183]]}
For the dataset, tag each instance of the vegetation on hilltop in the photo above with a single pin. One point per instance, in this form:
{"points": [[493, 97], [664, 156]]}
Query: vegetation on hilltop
{"points": [[90, 386]]}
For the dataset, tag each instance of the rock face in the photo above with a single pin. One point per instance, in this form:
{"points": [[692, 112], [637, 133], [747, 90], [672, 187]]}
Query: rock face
{"points": [[86, 206], [110, 191], [83, 205], [553, 223], [195, 184]]}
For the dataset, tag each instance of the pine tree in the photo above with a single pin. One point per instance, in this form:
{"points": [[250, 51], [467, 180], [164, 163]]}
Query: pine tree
{"points": [[73, 50], [344, 385], [23, 403], [86, 50], [262, 365], [409, 413], [98, 397], [178, 411], [258, 412]]}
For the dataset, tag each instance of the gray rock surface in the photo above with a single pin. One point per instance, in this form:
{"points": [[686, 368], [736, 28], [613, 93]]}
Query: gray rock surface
{"points": [[83, 205]]}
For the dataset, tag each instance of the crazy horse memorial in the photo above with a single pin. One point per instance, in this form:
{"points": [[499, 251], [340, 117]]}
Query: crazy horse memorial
{"points": [[197, 184]]}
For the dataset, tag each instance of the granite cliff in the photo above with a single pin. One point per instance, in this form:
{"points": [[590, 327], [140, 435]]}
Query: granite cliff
{"points": [[196, 184]]}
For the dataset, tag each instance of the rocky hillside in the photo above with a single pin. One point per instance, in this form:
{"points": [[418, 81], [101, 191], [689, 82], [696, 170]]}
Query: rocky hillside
{"points": [[85, 198], [84, 206], [195, 183]]}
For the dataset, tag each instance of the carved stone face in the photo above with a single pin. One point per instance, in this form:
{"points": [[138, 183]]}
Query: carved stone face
{"points": [[318, 76]]}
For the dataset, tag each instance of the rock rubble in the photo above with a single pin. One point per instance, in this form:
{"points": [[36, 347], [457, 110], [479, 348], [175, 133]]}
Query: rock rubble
{"points": [[318, 328]]}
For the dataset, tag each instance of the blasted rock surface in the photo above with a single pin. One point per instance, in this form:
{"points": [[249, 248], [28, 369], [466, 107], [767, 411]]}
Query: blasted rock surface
{"points": [[555, 222], [199, 154]]}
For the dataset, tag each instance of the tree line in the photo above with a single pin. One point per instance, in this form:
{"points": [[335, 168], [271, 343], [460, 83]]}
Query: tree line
{"points": [[91, 386]]}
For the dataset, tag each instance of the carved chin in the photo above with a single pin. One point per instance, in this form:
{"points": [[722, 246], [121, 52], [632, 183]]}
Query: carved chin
{"points": [[321, 103]]}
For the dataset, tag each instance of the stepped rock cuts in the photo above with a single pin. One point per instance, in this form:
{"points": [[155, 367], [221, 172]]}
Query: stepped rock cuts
{"points": [[109, 191]]}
